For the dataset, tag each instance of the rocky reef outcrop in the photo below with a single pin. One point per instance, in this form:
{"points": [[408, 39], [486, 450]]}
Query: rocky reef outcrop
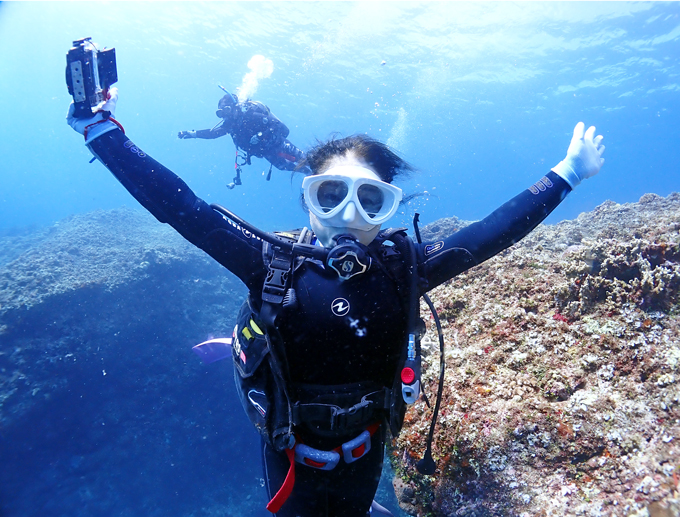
{"points": [[104, 409], [563, 367], [562, 387]]}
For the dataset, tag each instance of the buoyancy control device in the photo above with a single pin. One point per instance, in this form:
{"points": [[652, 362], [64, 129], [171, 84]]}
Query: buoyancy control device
{"points": [[266, 394]]}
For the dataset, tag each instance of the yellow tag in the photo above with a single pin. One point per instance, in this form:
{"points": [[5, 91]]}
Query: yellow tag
{"points": [[254, 326]]}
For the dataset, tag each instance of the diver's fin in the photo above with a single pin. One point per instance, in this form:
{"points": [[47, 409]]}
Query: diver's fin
{"points": [[213, 349], [379, 510]]}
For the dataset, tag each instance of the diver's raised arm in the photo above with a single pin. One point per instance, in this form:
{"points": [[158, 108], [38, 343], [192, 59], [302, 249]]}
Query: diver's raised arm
{"points": [[513, 220], [206, 134], [164, 194]]}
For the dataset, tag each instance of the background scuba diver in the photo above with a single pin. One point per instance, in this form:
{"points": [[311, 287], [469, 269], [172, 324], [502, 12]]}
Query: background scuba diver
{"points": [[255, 130], [320, 345]]}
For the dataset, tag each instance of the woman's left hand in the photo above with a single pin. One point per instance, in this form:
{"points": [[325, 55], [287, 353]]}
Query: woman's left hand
{"points": [[584, 156]]}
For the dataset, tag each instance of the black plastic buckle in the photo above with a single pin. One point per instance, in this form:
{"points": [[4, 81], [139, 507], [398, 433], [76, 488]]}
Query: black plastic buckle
{"points": [[345, 418], [276, 283]]}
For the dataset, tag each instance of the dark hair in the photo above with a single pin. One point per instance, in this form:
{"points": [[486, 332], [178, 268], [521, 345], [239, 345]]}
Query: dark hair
{"points": [[385, 162]]}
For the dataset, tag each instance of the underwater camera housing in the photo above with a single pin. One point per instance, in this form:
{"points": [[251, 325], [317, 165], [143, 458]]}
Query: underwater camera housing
{"points": [[89, 74]]}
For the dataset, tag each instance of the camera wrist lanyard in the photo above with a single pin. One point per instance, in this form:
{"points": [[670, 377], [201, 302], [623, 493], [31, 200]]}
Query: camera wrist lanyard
{"points": [[106, 119]]}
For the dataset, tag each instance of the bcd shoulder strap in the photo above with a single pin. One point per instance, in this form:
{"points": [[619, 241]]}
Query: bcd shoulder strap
{"points": [[404, 271], [279, 262], [277, 293]]}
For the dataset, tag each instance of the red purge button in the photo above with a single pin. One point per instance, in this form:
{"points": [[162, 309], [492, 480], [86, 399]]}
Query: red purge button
{"points": [[408, 375]]}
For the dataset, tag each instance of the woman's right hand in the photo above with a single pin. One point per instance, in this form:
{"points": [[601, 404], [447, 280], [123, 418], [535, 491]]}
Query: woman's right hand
{"points": [[100, 123]]}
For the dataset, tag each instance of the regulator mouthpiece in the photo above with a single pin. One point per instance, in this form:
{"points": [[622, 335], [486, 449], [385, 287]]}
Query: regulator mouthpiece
{"points": [[349, 258]]}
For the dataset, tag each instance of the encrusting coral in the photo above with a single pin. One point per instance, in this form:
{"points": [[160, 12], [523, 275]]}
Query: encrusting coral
{"points": [[563, 362], [562, 384]]}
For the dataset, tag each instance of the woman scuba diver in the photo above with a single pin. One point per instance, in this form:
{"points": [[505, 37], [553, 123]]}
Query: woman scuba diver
{"points": [[326, 350]]}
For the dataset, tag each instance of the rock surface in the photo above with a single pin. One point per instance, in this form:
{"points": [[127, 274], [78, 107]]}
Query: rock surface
{"points": [[561, 396], [104, 409], [563, 368]]}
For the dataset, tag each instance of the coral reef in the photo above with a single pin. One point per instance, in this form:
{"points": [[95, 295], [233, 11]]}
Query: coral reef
{"points": [[563, 366], [562, 390], [102, 248], [104, 409]]}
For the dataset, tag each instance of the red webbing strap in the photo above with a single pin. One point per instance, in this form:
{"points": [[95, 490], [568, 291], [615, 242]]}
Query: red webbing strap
{"points": [[287, 156], [287, 488], [110, 119], [373, 428]]}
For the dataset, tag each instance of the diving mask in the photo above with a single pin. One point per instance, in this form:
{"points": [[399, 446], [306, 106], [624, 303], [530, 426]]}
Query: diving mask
{"points": [[328, 196]]}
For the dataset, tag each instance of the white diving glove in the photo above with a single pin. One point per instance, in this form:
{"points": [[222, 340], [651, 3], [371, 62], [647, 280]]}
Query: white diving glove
{"points": [[102, 122], [584, 156], [182, 135]]}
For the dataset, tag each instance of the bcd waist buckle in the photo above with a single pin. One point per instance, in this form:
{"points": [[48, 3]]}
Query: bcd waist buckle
{"points": [[352, 450], [322, 460]]}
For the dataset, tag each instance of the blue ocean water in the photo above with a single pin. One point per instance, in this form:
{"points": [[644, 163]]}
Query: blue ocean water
{"points": [[481, 97]]}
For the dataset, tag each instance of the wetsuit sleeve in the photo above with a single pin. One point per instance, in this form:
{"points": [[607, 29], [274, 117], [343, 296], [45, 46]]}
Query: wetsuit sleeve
{"points": [[444, 259], [170, 200], [209, 134]]}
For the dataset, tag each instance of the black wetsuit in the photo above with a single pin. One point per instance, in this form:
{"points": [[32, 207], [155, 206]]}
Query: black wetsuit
{"points": [[361, 342], [258, 132]]}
